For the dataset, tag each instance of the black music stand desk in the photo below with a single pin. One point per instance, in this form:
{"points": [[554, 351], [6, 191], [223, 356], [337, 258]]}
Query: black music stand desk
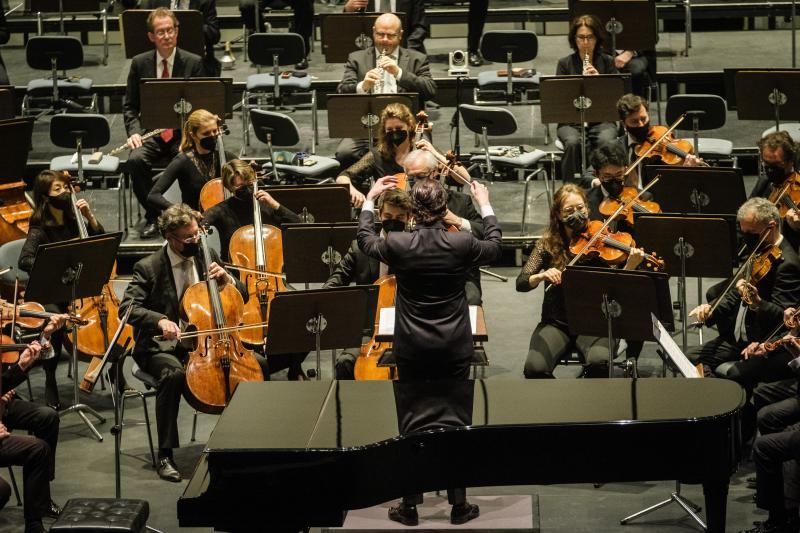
{"points": [[631, 23], [316, 203], [166, 102], [717, 190], [354, 115], [312, 251], [343, 33], [765, 94]]}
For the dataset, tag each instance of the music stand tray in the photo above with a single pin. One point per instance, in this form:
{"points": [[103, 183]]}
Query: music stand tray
{"points": [[631, 23], [343, 312], [718, 190], [133, 24], [161, 99], [768, 94], [560, 93], [348, 114], [317, 203], [312, 251]]}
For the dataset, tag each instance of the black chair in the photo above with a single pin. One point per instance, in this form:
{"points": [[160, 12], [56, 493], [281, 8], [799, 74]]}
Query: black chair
{"points": [[703, 112], [77, 131], [509, 47]]}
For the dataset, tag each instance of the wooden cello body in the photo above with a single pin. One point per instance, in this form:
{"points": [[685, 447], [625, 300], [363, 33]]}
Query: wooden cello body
{"points": [[366, 367], [219, 360], [15, 211]]}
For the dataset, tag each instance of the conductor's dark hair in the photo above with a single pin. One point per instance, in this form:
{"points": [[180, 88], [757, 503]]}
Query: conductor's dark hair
{"points": [[610, 153], [594, 24], [428, 202], [780, 139]]}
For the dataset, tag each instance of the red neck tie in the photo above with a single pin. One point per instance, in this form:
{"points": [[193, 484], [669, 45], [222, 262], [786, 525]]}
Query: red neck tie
{"points": [[166, 135]]}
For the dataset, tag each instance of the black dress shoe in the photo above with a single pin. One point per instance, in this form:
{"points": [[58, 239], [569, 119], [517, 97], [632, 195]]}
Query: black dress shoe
{"points": [[167, 470], [51, 395], [302, 65], [149, 231], [53, 510], [463, 513], [34, 526], [475, 59], [405, 514], [773, 526]]}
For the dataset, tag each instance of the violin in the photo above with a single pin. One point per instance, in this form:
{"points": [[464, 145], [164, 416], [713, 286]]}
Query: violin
{"points": [[219, 361], [672, 151], [611, 248], [366, 367], [760, 266], [787, 196], [448, 168], [774, 345], [610, 205], [423, 126], [31, 315], [213, 192]]}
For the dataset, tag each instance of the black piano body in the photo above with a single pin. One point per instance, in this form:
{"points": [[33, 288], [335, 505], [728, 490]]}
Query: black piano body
{"points": [[284, 456]]}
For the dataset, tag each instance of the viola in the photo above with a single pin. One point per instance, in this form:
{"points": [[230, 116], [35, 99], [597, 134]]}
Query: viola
{"points": [[219, 361], [366, 367], [672, 151], [611, 248], [213, 192], [31, 315], [787, 196], [610, 205], [423, 126], [774, 345], [760, 266]]}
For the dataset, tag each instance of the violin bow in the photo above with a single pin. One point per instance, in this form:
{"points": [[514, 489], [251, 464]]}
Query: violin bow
{"points": [[653, 146]]}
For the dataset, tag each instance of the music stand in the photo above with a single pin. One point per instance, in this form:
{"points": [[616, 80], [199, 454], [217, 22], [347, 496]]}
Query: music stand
{"points": [[15, 137], [631, 23], [320, 319], [312, 251], [343, 33], [691, 246], [581, 100], [765, 94], [8, 107], [317, 203], [133, 24], [717, 190], [350, 114], [166, 102], [56, 277], [616, 304]]}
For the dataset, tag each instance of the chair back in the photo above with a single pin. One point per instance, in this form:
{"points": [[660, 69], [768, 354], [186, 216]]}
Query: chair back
{"points": [[93, 130], [262, 48], [66, 50], [522, 44], [710, 110], [9, 257], [497, 120], [282, 128]]}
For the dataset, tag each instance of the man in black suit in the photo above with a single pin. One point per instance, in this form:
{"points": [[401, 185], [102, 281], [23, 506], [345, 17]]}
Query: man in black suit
{"points": [[210, 24], [415, 28], [159, 281], [303, 19], [432, 333], [397, 70], [394, 210], [166, 61]]}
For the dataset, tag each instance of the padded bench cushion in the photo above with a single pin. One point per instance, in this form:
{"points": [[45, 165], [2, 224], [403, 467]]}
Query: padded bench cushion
{"points": [[490, 79], [81, 86], [712, 146], [523, 160], [102, 515], [323, 165], [108, 165], [262, 82]]}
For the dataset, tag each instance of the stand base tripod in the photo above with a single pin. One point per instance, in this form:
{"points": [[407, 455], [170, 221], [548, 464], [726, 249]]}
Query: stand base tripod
{"points": [[689, 507], [81, 409]]}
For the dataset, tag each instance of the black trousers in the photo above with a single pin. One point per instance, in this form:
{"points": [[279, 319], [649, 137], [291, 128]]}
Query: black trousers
{"points": [[303, 17], [140, 169], [637, 68], [477, 18], [41, 420], [33, 454], [769, 454]]}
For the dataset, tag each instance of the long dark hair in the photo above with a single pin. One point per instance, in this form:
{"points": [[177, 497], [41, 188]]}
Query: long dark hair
{"points": [[555, 241], [41, 197], [428, 201]]}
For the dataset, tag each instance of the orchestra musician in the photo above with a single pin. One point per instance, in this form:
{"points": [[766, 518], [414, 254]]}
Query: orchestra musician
{"points": [[478, 9], [36, 453], [778, 152], [237, 211], [394, 212], [415, 29], [166, 61], [551, 339], [155, 292], [303, 19], [53, 220], [587, 38], [385, 68], [432, 333], [197, 162]]}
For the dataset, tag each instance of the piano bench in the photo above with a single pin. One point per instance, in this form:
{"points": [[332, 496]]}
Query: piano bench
{"points": [[102, 515]]}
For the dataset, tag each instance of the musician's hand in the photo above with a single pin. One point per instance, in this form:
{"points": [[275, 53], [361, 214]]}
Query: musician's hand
{"points": [[590, 71], [134, 141], [480, 192], [425, 144], [789, 320], [746, 289], [355, 5], [29, 355], [83, 205], [4, 433], [370, 79], [692, 160], [792, 218], [793, 346], [635, 258], [169, 329], [8, 396], [451, 219], [55, 323], [623, 59], [702, 312], [218, 273], [754, 349], [382, 185], [552, 275], [356, 197], [389, 65], [265, 198]]}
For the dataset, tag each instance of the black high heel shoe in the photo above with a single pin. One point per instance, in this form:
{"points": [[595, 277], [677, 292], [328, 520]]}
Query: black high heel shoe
{"points": [[51, 394]]}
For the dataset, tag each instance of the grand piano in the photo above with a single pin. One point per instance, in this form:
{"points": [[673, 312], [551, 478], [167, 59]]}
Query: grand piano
{"points": [[287, 456]]}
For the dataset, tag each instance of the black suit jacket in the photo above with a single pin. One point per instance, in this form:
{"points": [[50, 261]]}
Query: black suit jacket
{"points": [[461, 205], [207, 7], [431, 265], [355, 267], [186, 65], [152, 292], [416, 76]]}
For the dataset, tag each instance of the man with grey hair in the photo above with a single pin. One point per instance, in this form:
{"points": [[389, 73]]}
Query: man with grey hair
{"points": [[421, 164]]}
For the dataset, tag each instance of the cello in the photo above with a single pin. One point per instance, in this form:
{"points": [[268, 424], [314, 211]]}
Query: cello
{"points": [[213, 192], [219, 361], [371, 352], [259, 249]]}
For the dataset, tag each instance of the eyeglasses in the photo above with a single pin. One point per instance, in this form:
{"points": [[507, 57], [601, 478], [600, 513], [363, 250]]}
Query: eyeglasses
{"points": [[567, 211], [382, 35], [588, 38], [186, 240], [169, 32]]}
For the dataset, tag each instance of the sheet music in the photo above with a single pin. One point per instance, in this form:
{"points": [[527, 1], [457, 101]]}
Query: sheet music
{"points": [[386, 322], [665, 340]]}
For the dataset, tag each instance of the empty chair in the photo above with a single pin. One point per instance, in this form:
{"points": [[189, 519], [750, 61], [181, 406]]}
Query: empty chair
{"points": [[703, 112]]}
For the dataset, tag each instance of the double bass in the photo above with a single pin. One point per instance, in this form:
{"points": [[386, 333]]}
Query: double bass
{"points": [[219, 361]]}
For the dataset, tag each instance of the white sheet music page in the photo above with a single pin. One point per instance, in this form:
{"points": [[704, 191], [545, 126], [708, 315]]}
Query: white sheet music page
{"points": [[386, 322], [665, 340]]}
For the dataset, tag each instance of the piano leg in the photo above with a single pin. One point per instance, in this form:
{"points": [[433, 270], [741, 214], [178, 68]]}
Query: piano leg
{"points": [[716, 495], [676, 497]]}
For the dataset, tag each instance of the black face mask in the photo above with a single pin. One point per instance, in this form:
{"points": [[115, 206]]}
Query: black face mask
{"points": [[190, 249], [751, 240], [397, 137], [639, 133], [613, 188], [393, 225], [62, 201], [244, 194], [209, 143], [775, 175], [576, 221]]}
